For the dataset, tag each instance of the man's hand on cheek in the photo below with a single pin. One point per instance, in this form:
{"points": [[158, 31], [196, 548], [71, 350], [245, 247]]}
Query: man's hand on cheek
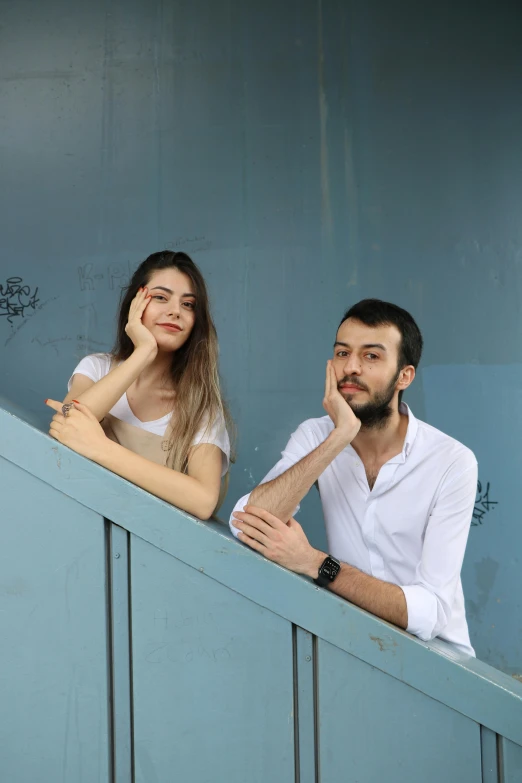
{"points": [[285, 544]]}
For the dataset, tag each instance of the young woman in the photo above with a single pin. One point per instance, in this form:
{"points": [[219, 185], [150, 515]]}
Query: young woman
{"points": [[152, 410]]}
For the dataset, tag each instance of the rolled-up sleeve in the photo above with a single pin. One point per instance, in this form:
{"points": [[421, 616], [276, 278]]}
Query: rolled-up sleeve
{"points": [[301, 443], [430, 596]]}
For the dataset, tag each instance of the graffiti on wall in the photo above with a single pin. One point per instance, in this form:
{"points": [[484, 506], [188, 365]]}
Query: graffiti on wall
{"points": [[483, 504], [116, 275], [17, 299], [112, 276]]}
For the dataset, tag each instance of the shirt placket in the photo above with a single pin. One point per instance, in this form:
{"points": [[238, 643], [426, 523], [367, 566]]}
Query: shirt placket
{"points": [[371, 522]]}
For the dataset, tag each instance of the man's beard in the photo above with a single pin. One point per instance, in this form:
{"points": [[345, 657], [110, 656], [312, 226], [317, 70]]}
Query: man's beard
{"points": [[375, 413]]}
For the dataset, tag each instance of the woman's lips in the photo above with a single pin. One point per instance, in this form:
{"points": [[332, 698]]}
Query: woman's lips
{"points": [[171, 327]]}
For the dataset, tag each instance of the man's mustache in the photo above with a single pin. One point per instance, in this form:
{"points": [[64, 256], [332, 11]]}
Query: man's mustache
{"points": [[351, 382]]}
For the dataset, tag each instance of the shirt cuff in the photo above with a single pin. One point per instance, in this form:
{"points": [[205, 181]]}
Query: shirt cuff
{"points": [[240, 505], [422, 611]]}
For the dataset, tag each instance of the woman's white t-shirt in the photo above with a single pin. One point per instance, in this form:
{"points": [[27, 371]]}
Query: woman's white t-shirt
{"points": [[97, 365]]}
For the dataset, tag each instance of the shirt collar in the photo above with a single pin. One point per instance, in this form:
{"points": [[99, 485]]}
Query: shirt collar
{"points": [[411, 432]]}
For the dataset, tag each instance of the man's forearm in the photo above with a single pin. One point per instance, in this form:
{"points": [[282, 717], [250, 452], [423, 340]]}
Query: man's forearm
{"points": [[104, 394], [383, 599], [281, 495]]}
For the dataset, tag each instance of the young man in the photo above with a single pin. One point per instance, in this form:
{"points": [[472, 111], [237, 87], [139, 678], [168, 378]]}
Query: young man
{"points": [[397, 494]]}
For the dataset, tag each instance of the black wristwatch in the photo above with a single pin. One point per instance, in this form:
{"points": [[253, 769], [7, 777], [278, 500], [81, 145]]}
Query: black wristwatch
{"points": [[328, 571]]}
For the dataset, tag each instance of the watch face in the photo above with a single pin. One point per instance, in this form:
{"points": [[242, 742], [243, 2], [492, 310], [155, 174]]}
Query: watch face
{"points": [[330, 568]]}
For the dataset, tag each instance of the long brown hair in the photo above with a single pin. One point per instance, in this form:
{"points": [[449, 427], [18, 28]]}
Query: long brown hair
{"points": [[194, 372]]}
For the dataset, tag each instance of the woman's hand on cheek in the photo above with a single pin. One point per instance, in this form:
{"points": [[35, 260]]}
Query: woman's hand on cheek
{"points": [[141, 337], [79, 430]]}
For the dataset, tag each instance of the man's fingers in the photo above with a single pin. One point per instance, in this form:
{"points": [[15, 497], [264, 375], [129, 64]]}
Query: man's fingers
{"points": [[254, 521], [333, 380], [255, 533], [328, 380], [252, 543], [266, 516]]}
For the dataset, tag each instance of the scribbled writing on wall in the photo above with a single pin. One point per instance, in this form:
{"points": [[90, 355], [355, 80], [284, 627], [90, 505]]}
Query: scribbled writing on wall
{"points": [[17, 327], [113, 276], [116, 275], [16, 299], [193, 244], [483, 504]]}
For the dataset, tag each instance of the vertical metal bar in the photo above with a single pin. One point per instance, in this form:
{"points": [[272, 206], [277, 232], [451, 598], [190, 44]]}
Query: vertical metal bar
{"points": [[317, 740], [488, 747], [510, 761], [120, 655], [297, 771], [305, 706]]}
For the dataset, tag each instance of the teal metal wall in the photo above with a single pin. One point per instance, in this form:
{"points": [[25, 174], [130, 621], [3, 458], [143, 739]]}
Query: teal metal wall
{"points": [[307, 154], [140, 644]]}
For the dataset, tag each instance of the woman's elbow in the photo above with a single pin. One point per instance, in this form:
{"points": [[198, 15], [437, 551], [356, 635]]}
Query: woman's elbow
{"points": [[205, 506], [204, 512]]}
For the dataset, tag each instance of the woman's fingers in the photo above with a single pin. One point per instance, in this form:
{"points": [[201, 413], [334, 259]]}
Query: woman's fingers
{"points": [[144, 304], [139, 303], [55, 431], [138, 299], [85, 410], [54, 404]]}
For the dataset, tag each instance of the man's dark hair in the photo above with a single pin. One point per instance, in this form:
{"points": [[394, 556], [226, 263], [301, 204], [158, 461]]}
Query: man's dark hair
{"points": [[374, 312]]}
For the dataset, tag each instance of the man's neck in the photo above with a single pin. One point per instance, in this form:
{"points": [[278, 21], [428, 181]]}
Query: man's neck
{"points": [[376, 442]]}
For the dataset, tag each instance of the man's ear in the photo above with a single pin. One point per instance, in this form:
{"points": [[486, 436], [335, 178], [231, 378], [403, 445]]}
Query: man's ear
{"points": [[406, 376]]}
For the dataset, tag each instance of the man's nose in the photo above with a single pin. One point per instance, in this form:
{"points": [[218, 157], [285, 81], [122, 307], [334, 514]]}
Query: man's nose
{"points": [[352, 366]]}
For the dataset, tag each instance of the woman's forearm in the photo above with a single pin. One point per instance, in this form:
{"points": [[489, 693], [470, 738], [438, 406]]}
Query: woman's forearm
{"points": [[103, 395], [186, 492]]}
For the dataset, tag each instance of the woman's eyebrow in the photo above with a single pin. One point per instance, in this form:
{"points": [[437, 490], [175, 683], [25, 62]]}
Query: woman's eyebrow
{"points": [[162, 288], [169, 290]]}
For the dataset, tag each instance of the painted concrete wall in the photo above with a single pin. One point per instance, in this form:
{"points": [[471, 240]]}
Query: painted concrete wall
{"points": [[306, 154]]}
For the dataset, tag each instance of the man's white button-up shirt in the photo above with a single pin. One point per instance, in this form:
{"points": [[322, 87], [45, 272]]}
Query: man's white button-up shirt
{"points": [[411, 529]]}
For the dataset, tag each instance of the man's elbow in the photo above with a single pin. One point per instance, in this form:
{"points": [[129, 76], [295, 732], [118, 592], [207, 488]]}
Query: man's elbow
{"points": [[426, 634], [430, 627], [427, 614]]}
